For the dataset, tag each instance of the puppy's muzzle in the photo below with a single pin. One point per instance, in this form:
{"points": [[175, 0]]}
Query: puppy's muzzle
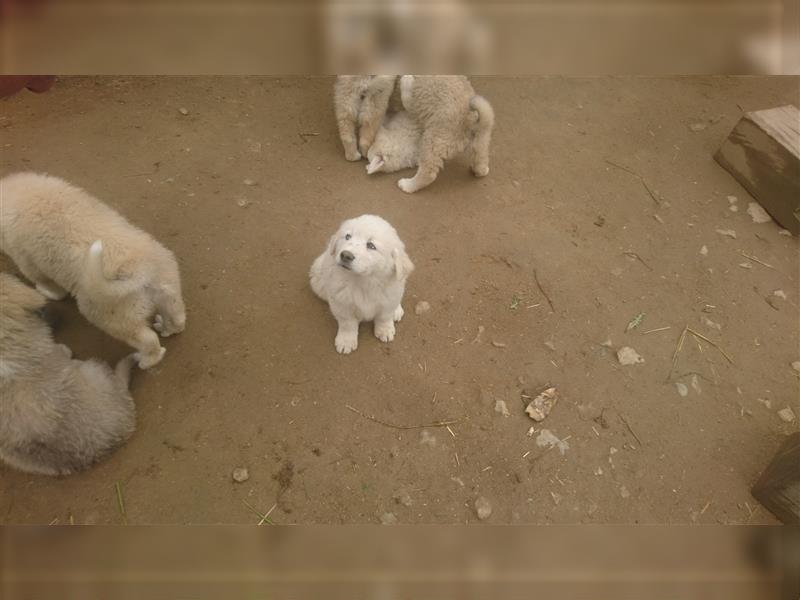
{"points": [[346, 259]]}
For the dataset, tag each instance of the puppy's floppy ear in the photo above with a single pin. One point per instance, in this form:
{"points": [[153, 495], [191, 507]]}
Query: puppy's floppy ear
{"points": [[332, 244], [402, 263]]}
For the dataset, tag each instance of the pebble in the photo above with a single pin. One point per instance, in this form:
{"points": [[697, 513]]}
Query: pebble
{"points": [[766, 402], [547, 438], [699, 126], [501, 408], [422, 307], [732, 199], [780, 294], [623, 491], [682, 389], [242, 203], [249, 182], [787, 415], [628, 356], [541, 405], [785, 232], [727, 233], [183, 111], [704, 250], [796, 365], [483, 508], [757, 213], [240, 474], [388, 519]]}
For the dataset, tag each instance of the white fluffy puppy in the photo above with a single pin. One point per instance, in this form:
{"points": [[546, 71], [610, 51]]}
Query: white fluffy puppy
{"points": [[362, 276], [66, 241], [57, 415], [396, 146]]}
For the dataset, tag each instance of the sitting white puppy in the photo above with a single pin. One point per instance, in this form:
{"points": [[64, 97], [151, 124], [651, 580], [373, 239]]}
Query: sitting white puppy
{"points": [[57, 415], [396, 146], [362, 276], [66, 241]]}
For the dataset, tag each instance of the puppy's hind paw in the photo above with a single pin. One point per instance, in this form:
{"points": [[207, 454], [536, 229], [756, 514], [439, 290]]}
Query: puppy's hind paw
{"points": [[385, 332], [353, 156], [345, 344], [398, 313], [407, 185], [481, 171]]}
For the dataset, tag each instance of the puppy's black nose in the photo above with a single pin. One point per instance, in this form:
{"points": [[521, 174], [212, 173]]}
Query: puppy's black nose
{"points": [[346, 256]]}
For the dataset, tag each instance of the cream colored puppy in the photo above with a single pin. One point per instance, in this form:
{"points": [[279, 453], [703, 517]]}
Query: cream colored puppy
{"points": [[66, 241], [57, 415], [362, 276], [396, 146], [360, 103], [452, 118]]}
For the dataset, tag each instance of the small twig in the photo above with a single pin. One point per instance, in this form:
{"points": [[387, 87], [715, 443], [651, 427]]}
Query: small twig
{"points": [[303, 136], [121, 504], [640, 178], [639, 258], [264, 517], [628, 425], [678, 347], [656, 330], [754, 259], [434, 424], [541, 289], [704, 338]]}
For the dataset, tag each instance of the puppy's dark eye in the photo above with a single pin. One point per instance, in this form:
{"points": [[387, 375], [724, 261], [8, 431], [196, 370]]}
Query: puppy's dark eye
{"points": [[348, 236], [371, 246]]}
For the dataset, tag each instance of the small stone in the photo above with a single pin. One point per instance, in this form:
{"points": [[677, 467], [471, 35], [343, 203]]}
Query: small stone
{"points": [[498, 344], [607, 344], [547, 438], [483, 508], [787, 415], [426, 439], [704, 250], [541, 405], [757, 213], [388, 519], [727, 233], [243, 203], [501, 408], [765, 402], [249, 182], [796, 365], [732, 199], [422, 307], [682, 389], [240, 474], [785, 232], [623, 491], [628, 356], [733, 208], [183, 111], [598, 471], [699, 126], [403, 498], [780, 294], [550, 345]]}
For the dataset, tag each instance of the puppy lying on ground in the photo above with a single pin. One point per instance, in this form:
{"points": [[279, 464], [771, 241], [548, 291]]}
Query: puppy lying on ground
{"points": [[360, 103], [57, 415], [452, 117], [66, 241], [362, 276], [396, 146]]}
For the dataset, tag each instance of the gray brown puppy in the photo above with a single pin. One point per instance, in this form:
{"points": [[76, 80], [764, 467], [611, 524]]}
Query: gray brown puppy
{"points": [[57, 415]]}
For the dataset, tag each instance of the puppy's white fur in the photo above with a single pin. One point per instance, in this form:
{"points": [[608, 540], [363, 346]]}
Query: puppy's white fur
{"points": [[360, 103], [57, 415], [452, 118], [396, 146], [66, 241], [369, 286]]}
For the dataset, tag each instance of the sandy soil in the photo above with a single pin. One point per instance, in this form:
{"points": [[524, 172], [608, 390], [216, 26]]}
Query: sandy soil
{"points": [[254, 381]]}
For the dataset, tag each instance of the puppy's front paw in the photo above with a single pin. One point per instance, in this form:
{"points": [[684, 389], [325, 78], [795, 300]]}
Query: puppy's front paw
{"points": [[148, 360], [398, 313], [346, 343], [353, 156], [407, 185], [384, 331]]}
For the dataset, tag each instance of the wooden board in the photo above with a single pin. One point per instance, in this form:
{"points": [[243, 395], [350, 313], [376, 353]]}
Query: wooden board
{"points": [[778, 488], [763, 154]]}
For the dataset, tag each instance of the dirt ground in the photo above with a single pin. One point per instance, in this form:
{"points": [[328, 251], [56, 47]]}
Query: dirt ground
{"points": [[255, 382]]}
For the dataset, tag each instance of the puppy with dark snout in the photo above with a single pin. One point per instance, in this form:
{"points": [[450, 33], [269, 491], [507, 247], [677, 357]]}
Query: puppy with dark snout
{"points": [[362, 276]]}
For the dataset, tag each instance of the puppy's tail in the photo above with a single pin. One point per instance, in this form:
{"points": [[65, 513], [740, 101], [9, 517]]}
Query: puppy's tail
{"points": [[123, 369], [485, 115], [95, 281]]}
